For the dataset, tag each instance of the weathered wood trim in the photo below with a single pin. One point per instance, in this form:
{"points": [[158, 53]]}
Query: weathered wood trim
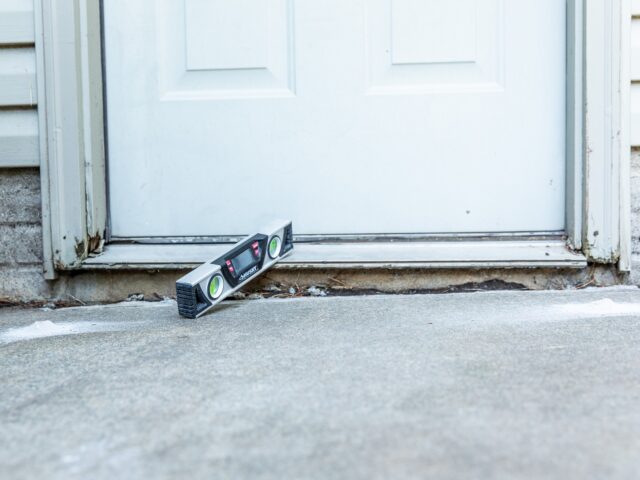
{"points": [[624, 263], [71, 117], [606, 146], [93, 121]]}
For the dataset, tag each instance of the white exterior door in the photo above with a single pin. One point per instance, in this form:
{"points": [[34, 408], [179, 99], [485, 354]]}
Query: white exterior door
{"points": [[347, 116]]}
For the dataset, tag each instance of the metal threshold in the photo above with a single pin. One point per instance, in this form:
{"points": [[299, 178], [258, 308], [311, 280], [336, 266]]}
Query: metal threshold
{"points": [[436, 255]]}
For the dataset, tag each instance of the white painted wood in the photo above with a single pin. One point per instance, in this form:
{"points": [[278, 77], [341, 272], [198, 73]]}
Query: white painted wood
{"points": [[356, 122], [66, 175], [93, 120], [635, 8], [605, 149], [486, 254], [17, 77], [16, 22], [624, 262], [19, 138], [71, 119]]}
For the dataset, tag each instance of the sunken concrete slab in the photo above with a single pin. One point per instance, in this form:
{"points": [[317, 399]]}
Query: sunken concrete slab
{"points": [[485, 385]]}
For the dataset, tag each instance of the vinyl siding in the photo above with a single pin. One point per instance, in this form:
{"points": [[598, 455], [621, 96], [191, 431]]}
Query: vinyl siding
{"points": [[635, 74], [18, 92]]}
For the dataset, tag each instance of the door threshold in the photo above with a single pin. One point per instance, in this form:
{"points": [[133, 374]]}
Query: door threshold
{"points": [[370, 255]]}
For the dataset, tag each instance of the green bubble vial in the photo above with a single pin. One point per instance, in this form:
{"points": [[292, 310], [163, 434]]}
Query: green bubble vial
{"points": [[274, 247], [215, 286]]}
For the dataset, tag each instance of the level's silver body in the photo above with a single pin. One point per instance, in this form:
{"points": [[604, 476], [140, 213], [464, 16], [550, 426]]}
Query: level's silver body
{"points": [[193, 290]]}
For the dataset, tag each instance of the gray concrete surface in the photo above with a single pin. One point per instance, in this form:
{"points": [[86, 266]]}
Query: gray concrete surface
{"points": [[21, 235], [635, 200], [487, 385]]}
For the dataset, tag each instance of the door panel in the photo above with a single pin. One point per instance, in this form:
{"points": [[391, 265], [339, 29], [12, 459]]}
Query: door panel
{"points": [[220, 49], [431, 46], [348, 116]]}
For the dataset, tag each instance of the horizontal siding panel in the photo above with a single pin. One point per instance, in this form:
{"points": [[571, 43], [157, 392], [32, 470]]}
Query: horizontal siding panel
{"points": [[635, 49], [16, 22], [17, 77], [635, 74], [635, 114], [19, 138]]}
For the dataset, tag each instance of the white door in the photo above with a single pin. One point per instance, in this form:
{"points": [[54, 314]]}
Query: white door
{"points": [[347, 116]]}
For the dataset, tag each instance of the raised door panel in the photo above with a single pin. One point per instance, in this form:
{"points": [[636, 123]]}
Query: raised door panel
{"points": [[221, 49], [422, 46]]}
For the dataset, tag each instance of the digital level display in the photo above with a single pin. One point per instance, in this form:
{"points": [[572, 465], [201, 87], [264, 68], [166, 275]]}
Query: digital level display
{"points": [[244, 260], [213, 281]]}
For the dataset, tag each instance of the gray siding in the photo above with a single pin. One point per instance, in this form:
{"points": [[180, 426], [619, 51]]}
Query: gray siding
{"points": [[18, 92], [16, 22]]}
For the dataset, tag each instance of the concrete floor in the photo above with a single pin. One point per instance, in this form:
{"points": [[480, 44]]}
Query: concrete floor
{"points": [[487, 385]]}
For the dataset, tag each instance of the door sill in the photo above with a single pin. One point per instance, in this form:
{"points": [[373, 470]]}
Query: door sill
{"points": [[436, 255]]}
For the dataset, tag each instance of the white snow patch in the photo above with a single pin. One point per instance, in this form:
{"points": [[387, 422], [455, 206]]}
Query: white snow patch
{"points": [[601, 308], [47, 328], [127, 304]]}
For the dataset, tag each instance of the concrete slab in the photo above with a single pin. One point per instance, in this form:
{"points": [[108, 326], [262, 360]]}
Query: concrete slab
{"points": [[488, 385]]}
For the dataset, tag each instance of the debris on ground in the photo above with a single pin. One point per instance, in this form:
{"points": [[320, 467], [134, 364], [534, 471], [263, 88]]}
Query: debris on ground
{"points": [[273, 288], [316, 292]]}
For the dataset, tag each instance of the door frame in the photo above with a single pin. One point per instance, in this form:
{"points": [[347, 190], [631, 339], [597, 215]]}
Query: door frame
{"points": [[74, 171]]}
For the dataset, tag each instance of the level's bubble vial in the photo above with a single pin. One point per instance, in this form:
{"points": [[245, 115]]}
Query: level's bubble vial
{"points": [[216, 286], [274, 246], [212, 282]]}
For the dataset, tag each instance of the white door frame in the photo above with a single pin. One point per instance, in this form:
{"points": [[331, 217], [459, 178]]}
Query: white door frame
{"points": [[73, 167]]}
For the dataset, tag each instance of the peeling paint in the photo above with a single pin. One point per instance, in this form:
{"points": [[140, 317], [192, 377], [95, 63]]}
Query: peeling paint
{"points": [[80, 248], [96, 244]]}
